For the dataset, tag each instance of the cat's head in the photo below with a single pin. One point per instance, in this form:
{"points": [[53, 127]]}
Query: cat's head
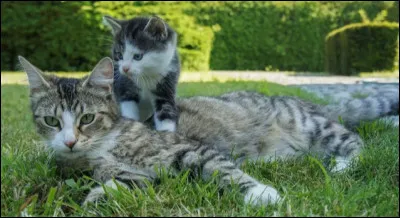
{"points": [[142, 45], [72, 114]]}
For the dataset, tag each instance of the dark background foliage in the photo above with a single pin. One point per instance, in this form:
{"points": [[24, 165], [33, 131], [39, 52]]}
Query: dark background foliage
{"points": [[70, 36]]}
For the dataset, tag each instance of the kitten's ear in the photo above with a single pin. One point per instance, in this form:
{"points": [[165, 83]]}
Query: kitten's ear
{"points": [[102, 75], [35, 76], [113, 23], [156, 28]]}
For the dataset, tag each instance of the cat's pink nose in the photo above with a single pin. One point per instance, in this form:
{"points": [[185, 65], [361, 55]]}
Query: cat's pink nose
{"points": [[125, 69], [70, 144]]}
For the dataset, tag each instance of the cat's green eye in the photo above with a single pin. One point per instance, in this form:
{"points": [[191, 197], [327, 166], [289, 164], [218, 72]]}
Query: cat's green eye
{"points": [[87, 118], [51, 121]]}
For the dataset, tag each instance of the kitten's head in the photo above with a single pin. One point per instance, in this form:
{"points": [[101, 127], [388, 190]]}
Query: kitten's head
{"points": [[142, 45], [72, 114]]}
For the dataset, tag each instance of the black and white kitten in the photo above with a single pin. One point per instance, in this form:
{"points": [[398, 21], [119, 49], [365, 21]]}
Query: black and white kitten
{"points": [[146, 68]]}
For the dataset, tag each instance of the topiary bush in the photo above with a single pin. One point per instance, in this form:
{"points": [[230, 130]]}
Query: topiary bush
{"points": [[362, 47], [254, 35], [280, 35]]}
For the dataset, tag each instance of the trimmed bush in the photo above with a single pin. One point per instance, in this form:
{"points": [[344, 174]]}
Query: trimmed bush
{"points": [[70, 36], [52, 35], [362, 47], [281, 35], [194, 40]]}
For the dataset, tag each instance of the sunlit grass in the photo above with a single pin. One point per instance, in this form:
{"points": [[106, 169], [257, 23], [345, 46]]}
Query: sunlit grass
{"points": [[30, 185]]}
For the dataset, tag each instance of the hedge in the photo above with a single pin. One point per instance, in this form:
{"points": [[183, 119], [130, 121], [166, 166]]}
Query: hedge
{"points": [[362, 47], [280, 35], [52, 35], [194, 41], [70, 36]]}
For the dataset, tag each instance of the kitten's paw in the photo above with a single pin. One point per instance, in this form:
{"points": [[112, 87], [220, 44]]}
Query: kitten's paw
{"points": [[165, 125], [129, 109], [262, 195]]}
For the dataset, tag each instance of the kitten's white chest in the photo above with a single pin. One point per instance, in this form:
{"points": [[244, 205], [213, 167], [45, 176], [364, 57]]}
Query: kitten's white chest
{"points": [[145, 108], [146, 104]]}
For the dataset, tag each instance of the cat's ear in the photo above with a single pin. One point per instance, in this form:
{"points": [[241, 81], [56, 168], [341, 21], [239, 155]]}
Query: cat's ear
{"points": [[102, 75], [156, 28], [35, 76], [113, 24]]}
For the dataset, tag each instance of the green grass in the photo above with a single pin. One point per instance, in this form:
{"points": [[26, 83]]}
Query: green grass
{"points": [[31, 186]]}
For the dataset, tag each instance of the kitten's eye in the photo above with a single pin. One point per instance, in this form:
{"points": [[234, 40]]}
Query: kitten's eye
{"points": [[138, 57], [87, 118], [51, 121]]}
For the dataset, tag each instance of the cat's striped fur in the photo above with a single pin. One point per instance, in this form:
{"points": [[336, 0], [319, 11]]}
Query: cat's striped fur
{"points": [[254, 126], [123, 149], [247, 124]]}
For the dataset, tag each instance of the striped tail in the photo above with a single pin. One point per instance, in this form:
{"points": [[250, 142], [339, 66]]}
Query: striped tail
{"points": [[354, 111]]}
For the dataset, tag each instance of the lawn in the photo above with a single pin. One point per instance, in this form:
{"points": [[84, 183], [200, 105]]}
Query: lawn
{"points": [[30, 185]]}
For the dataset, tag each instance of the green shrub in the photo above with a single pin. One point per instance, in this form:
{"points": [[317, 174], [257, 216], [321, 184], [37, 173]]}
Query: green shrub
{"points": [[70, 36], [393, 12], [194, 41], [281, 35], [362, 47], [52, 35]]}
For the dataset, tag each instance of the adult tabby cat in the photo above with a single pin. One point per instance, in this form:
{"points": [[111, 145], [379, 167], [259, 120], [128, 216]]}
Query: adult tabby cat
{"points": [[81, 121], [146, 69]]}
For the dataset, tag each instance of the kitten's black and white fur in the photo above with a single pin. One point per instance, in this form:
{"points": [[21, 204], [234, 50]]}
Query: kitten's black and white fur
{"points": [[146, 68]]}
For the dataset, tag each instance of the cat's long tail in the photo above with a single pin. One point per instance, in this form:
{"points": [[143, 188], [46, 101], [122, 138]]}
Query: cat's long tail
{"points": [[354, 111]]}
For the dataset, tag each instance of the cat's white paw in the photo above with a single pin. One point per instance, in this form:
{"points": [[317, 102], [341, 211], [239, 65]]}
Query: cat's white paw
{"points": [[97, 193], [130, 109], [165, 125], [94, 195], [341, 165], [262, 195]]}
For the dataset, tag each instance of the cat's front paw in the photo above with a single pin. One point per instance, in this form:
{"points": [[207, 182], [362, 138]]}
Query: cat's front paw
{"points": [[98, 193], [262, 195], [165, 125], [342, 165], [94, 195]]}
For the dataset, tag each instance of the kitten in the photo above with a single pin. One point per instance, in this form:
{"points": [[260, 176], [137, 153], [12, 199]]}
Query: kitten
{"points": [[147, 69], [81, 122]]}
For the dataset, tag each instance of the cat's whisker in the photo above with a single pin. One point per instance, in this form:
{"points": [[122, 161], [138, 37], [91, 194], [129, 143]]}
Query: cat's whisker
{"points": [[145, 80]]}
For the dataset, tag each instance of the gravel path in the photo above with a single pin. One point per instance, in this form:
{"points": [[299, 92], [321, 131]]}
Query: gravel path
{"points": [[304, 78]]}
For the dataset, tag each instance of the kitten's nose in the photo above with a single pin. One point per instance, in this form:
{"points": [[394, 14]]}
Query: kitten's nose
{"points": [[125, 69], [70, 144]]}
